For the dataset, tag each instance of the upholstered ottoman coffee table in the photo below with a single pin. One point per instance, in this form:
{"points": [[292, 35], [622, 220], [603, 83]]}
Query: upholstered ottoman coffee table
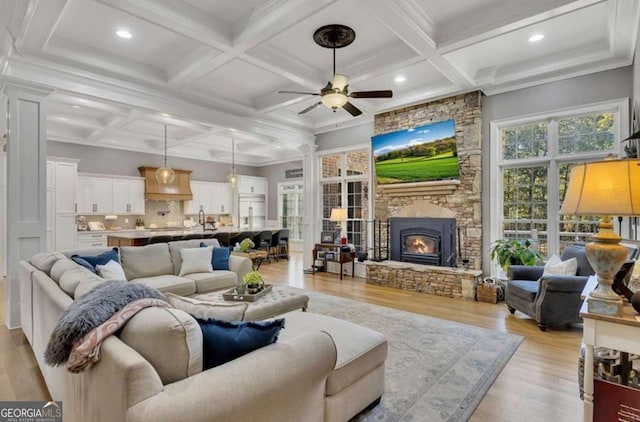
{"points": [[278, 301]]}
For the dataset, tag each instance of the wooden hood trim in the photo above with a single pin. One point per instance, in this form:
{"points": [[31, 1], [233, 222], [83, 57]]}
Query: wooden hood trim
{"points": [[179, 190]]}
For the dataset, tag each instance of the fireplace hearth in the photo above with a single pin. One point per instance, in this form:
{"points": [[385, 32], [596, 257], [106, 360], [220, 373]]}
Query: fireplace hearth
{"points": [[429, 241]]}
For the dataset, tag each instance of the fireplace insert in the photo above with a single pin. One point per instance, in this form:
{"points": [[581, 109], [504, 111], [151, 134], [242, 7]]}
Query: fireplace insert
{"points": [[429, 241]]}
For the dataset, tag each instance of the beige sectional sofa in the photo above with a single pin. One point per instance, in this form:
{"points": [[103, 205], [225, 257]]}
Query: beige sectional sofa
{"points": [[321, 368]]}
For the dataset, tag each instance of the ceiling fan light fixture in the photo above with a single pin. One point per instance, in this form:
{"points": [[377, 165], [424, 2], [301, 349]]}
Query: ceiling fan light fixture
{"points": [[334, 100], [339, 82], [165, 174]]}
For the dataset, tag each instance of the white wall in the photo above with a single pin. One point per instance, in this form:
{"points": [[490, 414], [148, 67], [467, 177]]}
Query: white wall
{"points": [[636, 77], [601, 86], [126, 163], [353, 135]]}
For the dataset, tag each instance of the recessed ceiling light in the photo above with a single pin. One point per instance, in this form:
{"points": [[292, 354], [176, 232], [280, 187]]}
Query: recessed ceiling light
{"points": [[113, 141], [62, 119], [123, 33], [165, 114], [536, 37], [400, 79], [75, 106]]}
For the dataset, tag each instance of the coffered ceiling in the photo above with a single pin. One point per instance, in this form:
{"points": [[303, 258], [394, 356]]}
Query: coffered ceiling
{"points": [[212, 69]]}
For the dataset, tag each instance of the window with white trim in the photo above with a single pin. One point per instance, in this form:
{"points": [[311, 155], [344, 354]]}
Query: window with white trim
{"points": [[534, 157], [290, 208], [344, 180]]}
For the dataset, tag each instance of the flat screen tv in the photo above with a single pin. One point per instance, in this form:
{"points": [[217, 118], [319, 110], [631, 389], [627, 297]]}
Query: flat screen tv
{"points": [[418, 154]]}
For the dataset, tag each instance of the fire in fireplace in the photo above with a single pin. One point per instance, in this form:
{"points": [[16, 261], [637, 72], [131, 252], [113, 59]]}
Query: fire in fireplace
{"points": [[428, 241]]}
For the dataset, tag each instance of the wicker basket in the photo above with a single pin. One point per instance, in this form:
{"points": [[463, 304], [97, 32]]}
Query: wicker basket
{"points": [[487, 292]]}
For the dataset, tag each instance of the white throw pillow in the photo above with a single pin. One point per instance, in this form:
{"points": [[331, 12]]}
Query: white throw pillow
{"points": [[196, 260], [556, 266], [111, 271]]}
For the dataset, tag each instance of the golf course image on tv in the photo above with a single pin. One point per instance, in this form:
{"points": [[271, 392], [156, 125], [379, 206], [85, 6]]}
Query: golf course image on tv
{"points": [[416, 155]]}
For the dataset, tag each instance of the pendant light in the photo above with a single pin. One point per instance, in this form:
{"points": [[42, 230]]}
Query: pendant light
{"points": [[165, 175], [232, 177]]}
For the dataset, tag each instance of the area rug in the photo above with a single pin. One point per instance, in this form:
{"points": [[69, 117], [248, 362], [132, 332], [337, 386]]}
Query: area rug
{"points": [[436, 370]]}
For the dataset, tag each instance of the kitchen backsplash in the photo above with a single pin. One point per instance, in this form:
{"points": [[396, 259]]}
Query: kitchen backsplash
{"points": [[172, 213]]}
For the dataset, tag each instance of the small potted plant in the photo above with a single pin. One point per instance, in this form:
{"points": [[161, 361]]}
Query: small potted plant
{"points": [[508, 252], [246, 245], [253, 282]]}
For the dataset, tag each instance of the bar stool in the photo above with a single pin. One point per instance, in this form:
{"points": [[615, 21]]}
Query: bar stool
{"points": [[192, 236], [282, 243], [223, 238], [263, 242]]}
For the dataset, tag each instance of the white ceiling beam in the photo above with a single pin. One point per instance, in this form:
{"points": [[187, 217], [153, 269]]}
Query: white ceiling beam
{"points": [[74, 120], [496, 20], [114, 125], [147, 98], [177, 17], [39, 24], [409, 23]]}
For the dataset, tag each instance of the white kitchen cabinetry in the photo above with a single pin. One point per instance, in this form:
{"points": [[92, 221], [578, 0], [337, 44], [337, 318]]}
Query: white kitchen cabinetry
{"points": [[211, 197], [95, 195], [92, 240], [252, 185], [128, 197], [61, 204]]}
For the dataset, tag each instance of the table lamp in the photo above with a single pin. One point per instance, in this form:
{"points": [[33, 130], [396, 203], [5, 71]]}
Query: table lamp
{"points": [[338, 215], [604, 188]]}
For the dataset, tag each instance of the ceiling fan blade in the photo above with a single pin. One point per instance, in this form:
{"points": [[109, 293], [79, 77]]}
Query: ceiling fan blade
{"points": [[298, 92], [311, 107], [372, 94], [351, 109]]}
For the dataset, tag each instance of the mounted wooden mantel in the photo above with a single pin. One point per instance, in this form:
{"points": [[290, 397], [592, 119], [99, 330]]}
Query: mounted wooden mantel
{"points": [[441, 187]]}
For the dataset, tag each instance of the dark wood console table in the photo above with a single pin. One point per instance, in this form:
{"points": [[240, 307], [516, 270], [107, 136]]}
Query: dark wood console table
{"points": [[321, 250]]}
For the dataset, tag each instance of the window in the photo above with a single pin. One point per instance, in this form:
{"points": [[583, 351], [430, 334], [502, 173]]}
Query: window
{"points": [[345, 184], [290, 211], [534, 159]]}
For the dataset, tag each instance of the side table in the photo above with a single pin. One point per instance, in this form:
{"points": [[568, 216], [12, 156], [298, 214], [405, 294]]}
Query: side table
{"points": [[254, 256], [615, 332]]}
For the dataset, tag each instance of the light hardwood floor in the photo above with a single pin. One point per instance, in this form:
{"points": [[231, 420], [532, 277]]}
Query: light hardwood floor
{"points": [[538, 384]]}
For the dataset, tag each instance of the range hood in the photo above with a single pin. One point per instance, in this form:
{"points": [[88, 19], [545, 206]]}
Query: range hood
{"points": [[178, 190]]}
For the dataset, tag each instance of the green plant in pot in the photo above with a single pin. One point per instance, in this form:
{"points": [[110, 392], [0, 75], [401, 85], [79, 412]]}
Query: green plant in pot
{"points": [[246, 245], [253, 282], [508, 252]]}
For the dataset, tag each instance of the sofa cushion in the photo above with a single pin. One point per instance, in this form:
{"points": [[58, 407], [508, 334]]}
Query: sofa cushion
{"points": [[227, 311], [219, 257], [91, 261], [195, 260], [224, 341], [44, 261], [175, 247], [360, 349], [216, 280], [146, 261], [60, 267], [112, 270], [169, 339], [577, 252], [524, 289], [71, 278], [169, 283]]}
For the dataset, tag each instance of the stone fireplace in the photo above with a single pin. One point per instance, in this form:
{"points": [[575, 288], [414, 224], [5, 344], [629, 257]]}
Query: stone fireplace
{"points": [[429, 241], [458, 201]]}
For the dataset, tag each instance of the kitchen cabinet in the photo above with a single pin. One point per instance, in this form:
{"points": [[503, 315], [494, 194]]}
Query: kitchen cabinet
{"points": [[252, 185], [252, 211], [95, 195], [92, 240], [211, 197], [65, 232], [65, 174], [128, 197]]}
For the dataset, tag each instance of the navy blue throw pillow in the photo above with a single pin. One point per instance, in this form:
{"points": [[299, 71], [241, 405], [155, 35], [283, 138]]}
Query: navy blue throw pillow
{"points": [[219, 257], [224, 341], [93, 261]]}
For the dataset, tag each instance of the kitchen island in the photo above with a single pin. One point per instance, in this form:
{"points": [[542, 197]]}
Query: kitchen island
{"points": [[142, 238]]}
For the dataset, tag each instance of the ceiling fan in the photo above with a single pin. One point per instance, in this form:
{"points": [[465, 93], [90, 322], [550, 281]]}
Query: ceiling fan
{"points": [[335, 94]]}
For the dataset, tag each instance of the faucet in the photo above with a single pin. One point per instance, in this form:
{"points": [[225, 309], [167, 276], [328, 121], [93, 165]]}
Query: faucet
{"points": [[201, 219]]}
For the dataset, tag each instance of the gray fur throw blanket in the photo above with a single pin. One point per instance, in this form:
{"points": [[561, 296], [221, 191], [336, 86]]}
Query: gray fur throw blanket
{"points": [[88, 312]]}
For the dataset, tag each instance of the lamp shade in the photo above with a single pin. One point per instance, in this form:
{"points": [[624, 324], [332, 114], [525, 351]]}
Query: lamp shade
{"points": [[338, 214], [609, 187]]}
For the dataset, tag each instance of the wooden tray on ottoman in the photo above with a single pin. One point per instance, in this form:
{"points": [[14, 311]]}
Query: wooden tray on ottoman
{"points": [[231, 295]]}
